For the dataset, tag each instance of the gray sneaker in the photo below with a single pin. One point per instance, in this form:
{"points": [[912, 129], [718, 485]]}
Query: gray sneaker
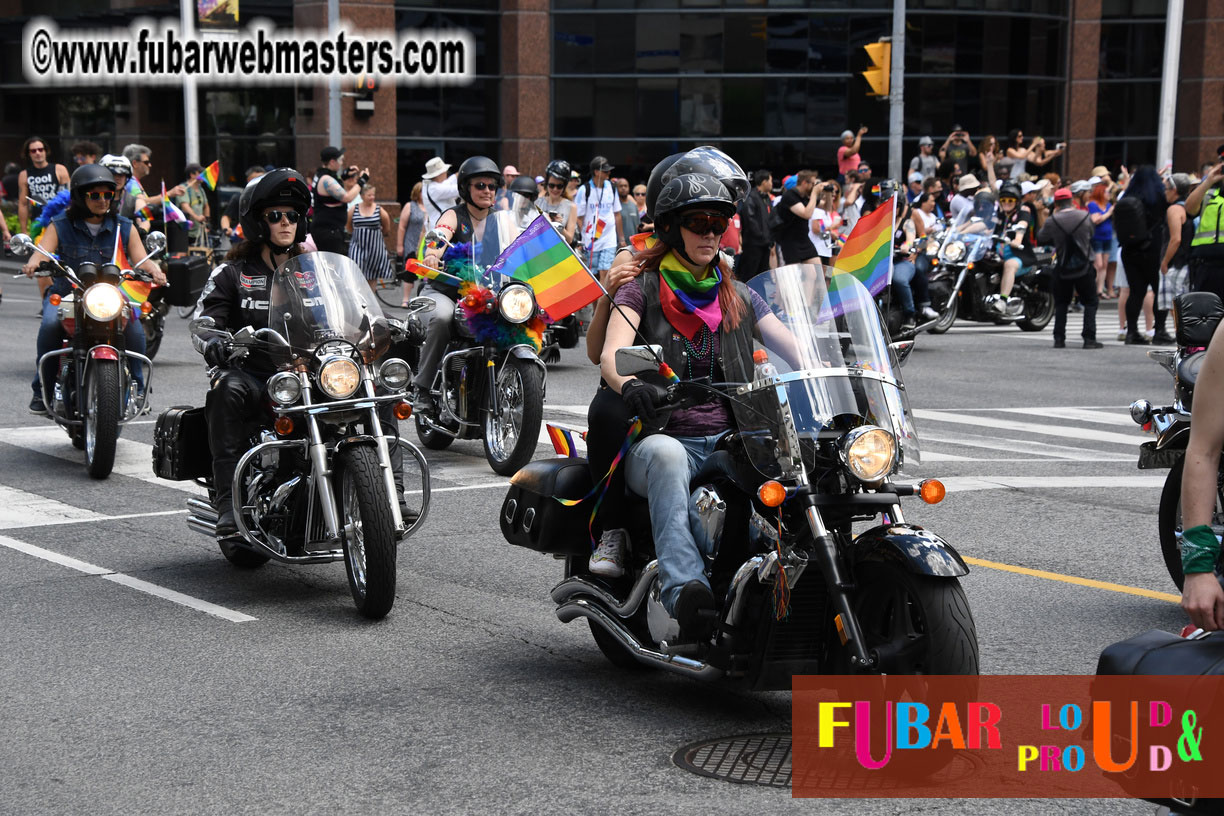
{"points": [[608, 558]]}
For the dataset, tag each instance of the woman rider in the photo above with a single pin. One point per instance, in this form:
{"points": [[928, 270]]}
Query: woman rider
{"points": [[86, 231], [705, 321], [478, 181]]}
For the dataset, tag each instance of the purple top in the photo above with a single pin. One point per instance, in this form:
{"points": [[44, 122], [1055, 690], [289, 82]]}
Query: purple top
{"points": [[707, 419]]}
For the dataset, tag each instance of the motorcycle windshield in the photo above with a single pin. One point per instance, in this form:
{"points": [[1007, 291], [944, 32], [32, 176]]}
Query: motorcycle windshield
{"points": [[318, 297], [830, 348]]}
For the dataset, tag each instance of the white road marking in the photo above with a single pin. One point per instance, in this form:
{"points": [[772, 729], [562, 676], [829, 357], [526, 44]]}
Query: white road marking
{"points": [[19, 508], [964, 484], [1119, 417], [128, 581], [43, 427], [1045, 449], [1086, 434]]}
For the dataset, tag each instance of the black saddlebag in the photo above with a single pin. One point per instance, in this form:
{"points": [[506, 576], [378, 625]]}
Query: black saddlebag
{"points": [[180, 444], [1158, 652], [532, 518], [186, 276]]}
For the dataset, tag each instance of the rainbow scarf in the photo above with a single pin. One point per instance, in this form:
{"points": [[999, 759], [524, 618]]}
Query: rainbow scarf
{"points": [[688, 302]]}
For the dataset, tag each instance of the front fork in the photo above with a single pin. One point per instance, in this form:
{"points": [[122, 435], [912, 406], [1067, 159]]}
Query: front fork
{"points": [[829, 561]]}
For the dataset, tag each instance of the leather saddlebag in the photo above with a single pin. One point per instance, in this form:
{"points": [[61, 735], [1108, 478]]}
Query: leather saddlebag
{"points": [[532, 518], [1159, 652], [186, 276], [180, 444]]}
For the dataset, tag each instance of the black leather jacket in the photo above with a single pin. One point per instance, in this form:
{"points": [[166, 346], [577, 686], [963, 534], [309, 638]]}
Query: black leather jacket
{"points": [[236, 295]]}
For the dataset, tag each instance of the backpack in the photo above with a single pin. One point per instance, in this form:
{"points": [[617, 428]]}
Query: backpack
{"points": [[1072, 261], [1130, 222], [777, 221]]}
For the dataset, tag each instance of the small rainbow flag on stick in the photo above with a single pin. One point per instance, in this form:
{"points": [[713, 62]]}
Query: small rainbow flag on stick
{"points": [[171, 212], [542, 259], [136, 291], [563, 440], [867, 254], [211, 173]]}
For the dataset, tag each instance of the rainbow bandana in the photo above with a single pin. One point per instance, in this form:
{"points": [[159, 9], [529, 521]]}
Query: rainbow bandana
{"points": [[689, 303]]}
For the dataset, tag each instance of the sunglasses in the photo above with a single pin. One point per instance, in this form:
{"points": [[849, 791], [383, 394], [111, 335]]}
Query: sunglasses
{"points": [[1007, 201], [556, 186], [100, 195], [38, 150], [485, 185], [705, 223], [643, 194], [275, 216]]}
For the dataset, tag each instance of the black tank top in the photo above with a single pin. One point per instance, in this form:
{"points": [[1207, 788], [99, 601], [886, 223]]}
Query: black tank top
{"points": [[42, 183], [328, 211]]}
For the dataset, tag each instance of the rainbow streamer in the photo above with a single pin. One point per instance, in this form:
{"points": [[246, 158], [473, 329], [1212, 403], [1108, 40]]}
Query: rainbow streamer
{"points": [[562, 441], [666, 371], [601, 487], [211, 173]]}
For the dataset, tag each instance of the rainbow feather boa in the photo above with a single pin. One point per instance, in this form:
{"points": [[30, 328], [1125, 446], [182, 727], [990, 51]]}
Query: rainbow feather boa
{"points": [[479, 309], [51, 209]]}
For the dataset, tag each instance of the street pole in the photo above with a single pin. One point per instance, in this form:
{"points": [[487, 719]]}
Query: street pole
{"points": [[896, 93], [1168, 85], [191, 102]]}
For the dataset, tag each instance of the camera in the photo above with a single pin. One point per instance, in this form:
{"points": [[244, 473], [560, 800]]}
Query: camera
{"points": [[347, 173], [1060, 145], [830, 188]]}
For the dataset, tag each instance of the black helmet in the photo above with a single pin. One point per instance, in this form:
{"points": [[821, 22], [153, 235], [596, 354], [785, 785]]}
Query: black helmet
{"points": [[655, 183], [558, 168], [710, 161], [477, 166], [689, 190], [526, 187], [86, 176], [1010, 190], [282, 186]]}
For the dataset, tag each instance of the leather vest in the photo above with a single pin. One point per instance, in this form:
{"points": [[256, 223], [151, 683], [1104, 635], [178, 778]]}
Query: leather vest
{"points": [[463, 234], [735, 351], [328, 212]]}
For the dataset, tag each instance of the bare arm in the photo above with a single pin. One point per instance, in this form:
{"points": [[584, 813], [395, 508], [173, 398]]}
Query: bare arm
{"points": [[805, 211], [1174, 217], [778, 338], [385, 220], [137, 255], [23, 202], [1203, 597], [405, 214], [1194, 202], [622, 327], [61, 174], [623, 269], [348, 221], [49, 241], [570, 225], [1097, 218]]}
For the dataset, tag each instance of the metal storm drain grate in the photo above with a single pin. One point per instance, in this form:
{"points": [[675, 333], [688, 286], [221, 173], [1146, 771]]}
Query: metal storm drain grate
{"points": [[754, 759]]}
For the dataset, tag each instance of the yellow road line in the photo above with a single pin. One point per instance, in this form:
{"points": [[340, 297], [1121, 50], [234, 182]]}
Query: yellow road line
{"points": [[1071, 579]]}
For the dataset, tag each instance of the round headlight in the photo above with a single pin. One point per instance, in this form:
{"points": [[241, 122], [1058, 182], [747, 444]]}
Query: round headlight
{"points": [[516, 303], [339, 377], [103, 302], [954, 251], [868, 453], [932, 249], [393, 374], [284, 388]]}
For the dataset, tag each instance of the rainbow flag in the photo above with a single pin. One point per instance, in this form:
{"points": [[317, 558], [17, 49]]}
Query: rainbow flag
{"points": [[170, 211], [429, 273], [542, 259], [136, 291], [867, 254], [562, 440], [211, 173], [146, 213]]}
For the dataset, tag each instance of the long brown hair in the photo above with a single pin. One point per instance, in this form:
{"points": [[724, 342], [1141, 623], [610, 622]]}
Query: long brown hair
{"points": [[728, 300]]}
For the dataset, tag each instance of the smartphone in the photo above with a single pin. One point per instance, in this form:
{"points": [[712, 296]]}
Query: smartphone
{"points": [[1060, 145]]}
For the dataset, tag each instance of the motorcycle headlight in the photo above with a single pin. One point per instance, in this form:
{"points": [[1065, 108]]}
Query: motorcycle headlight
{"points": [[516, 303], [103, 302], [393, 374], [932, 249], [339, 377], [954, 251], [868, 453], [284, 388]]}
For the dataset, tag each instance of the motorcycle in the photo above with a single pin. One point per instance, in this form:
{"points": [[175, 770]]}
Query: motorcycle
{"points": [[94, 394], [966, 268], [316, 484], [564, 334], [816, 445], [491, 381], [1195, 318]]}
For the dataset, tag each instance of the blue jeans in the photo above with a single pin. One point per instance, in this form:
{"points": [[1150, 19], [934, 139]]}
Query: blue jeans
{"points": [[911, 286], [659, 467], [601, 259], [51, 337]]}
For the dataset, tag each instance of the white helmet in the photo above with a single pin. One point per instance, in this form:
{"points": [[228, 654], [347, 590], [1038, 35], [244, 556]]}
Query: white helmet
{"points": [[119, 165]]}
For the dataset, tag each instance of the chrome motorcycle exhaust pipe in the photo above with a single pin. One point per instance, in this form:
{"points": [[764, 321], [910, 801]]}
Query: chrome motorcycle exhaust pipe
{"points": [[206, 526], [202, 510], [583, 608], [578, 585]]}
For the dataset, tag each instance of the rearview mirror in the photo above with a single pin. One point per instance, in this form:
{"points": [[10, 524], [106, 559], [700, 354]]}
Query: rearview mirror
{"points": [[155, 242], [902, 349], [632, 360], [21, 245]]}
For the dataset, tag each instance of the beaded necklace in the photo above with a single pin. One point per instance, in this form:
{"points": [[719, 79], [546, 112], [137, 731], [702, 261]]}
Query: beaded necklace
{"points": [[699, 352]]}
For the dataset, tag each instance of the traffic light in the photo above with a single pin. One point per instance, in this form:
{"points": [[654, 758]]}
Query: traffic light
{"points": [[880, 54], [367, 84]]}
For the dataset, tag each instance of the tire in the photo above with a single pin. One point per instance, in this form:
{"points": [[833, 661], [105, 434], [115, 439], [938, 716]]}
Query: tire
{"points": [[1169, 521], [431, 438], [1038, 311], [102, 412], [946, 317], [389, 293], [368, 529], [895, 607], [616, 654], [510, 439], [241, 557], [154, 328], [184, 311]]}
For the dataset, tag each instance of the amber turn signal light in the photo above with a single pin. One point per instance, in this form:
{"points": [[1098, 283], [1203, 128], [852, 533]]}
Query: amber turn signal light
{"points": [[932, 491], [403, 410], [284, 425], [54, 300], [146, 308], [771, 494]]}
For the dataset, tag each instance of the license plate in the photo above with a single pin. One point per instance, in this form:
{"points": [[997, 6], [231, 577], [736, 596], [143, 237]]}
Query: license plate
{"points": [[1150, 458]]}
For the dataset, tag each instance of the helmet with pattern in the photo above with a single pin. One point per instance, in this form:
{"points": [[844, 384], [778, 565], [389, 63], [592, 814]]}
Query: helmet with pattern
{"points": [[473, 167], [559, 169], [711, 161], [689, 191], [119, 165], [280, 187]]}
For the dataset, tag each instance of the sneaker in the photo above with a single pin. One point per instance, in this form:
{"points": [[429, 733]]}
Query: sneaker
{"points": [[423, 403], [909, 325], [1060, 344], [929, 314], [996, 304], [608, 558], [1093, 344], [1163, 339], [37, 406], [1122, 335], [1136, 340], [1075, 307]]}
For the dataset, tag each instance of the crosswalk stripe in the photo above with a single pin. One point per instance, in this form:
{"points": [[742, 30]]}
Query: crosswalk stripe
{"points": [[1085, 434], [1118, 417], [957, 484], [18, 508]]}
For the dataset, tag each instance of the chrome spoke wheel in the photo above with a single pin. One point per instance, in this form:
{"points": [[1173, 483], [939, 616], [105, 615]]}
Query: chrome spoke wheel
{"points": [[354, 539]]}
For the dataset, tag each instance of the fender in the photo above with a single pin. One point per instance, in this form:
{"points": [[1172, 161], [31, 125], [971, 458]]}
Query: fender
{"points": [[919, 551], [526, 352], [103, 353], [1174, 435]]}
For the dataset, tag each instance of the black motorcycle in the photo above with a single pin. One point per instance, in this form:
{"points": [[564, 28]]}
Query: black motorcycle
{"points": [[1196, 315], [816, 445], [94, 394]]}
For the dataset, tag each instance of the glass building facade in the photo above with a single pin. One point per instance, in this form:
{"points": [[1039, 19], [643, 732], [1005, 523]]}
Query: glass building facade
{"points": [[1128, 81]]}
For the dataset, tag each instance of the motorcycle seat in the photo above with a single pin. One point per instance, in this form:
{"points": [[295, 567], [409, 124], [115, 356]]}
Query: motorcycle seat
{"points": [[1044, 257]]}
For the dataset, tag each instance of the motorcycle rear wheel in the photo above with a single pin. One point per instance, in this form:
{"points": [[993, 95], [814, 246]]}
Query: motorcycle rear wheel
{"points": [[921, 623], [240, 556], [1038, 311], [102, 412], [510, 437], [368, 530], [617, 655], [154, 328], [432, 438], [1169, 520]]}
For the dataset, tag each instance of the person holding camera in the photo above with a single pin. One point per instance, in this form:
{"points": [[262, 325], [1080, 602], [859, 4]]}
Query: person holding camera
{"points": [[333, 190], [957, 149], [848, 154], [1206, 202]]}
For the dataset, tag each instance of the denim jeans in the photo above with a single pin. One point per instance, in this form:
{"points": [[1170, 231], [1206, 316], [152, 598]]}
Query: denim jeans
{"points": [[659, 467], [51, 337], [911, 286]]}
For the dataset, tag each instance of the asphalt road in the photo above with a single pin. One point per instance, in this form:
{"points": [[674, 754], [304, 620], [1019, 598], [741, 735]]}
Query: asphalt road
{"points": [[471, 697]]}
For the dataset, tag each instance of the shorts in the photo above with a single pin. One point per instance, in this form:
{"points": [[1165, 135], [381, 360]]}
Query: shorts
{"points": [[1100, 247], [601, 259], [1120, 281], [1009, 253], [1176, 282], [1114, 249]]}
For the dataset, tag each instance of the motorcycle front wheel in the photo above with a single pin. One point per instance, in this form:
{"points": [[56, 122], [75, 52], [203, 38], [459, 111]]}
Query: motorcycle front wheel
{"points": [[431, 437], [102, 412], [919, 624], [948, 316], [511, 434], [368, 530], [1169, 520]]}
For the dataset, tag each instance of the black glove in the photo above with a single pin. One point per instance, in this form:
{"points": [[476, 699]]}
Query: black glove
{"points": [[639, 398], [362, 179], [215, 353]]}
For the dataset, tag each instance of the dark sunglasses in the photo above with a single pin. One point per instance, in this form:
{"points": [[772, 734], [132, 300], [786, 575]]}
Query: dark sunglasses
{"points": [[1007, 201], [275, 216], [556, 186], [100, 195], [705, 223], [38, 150], [641, 193], [485, 185]]}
